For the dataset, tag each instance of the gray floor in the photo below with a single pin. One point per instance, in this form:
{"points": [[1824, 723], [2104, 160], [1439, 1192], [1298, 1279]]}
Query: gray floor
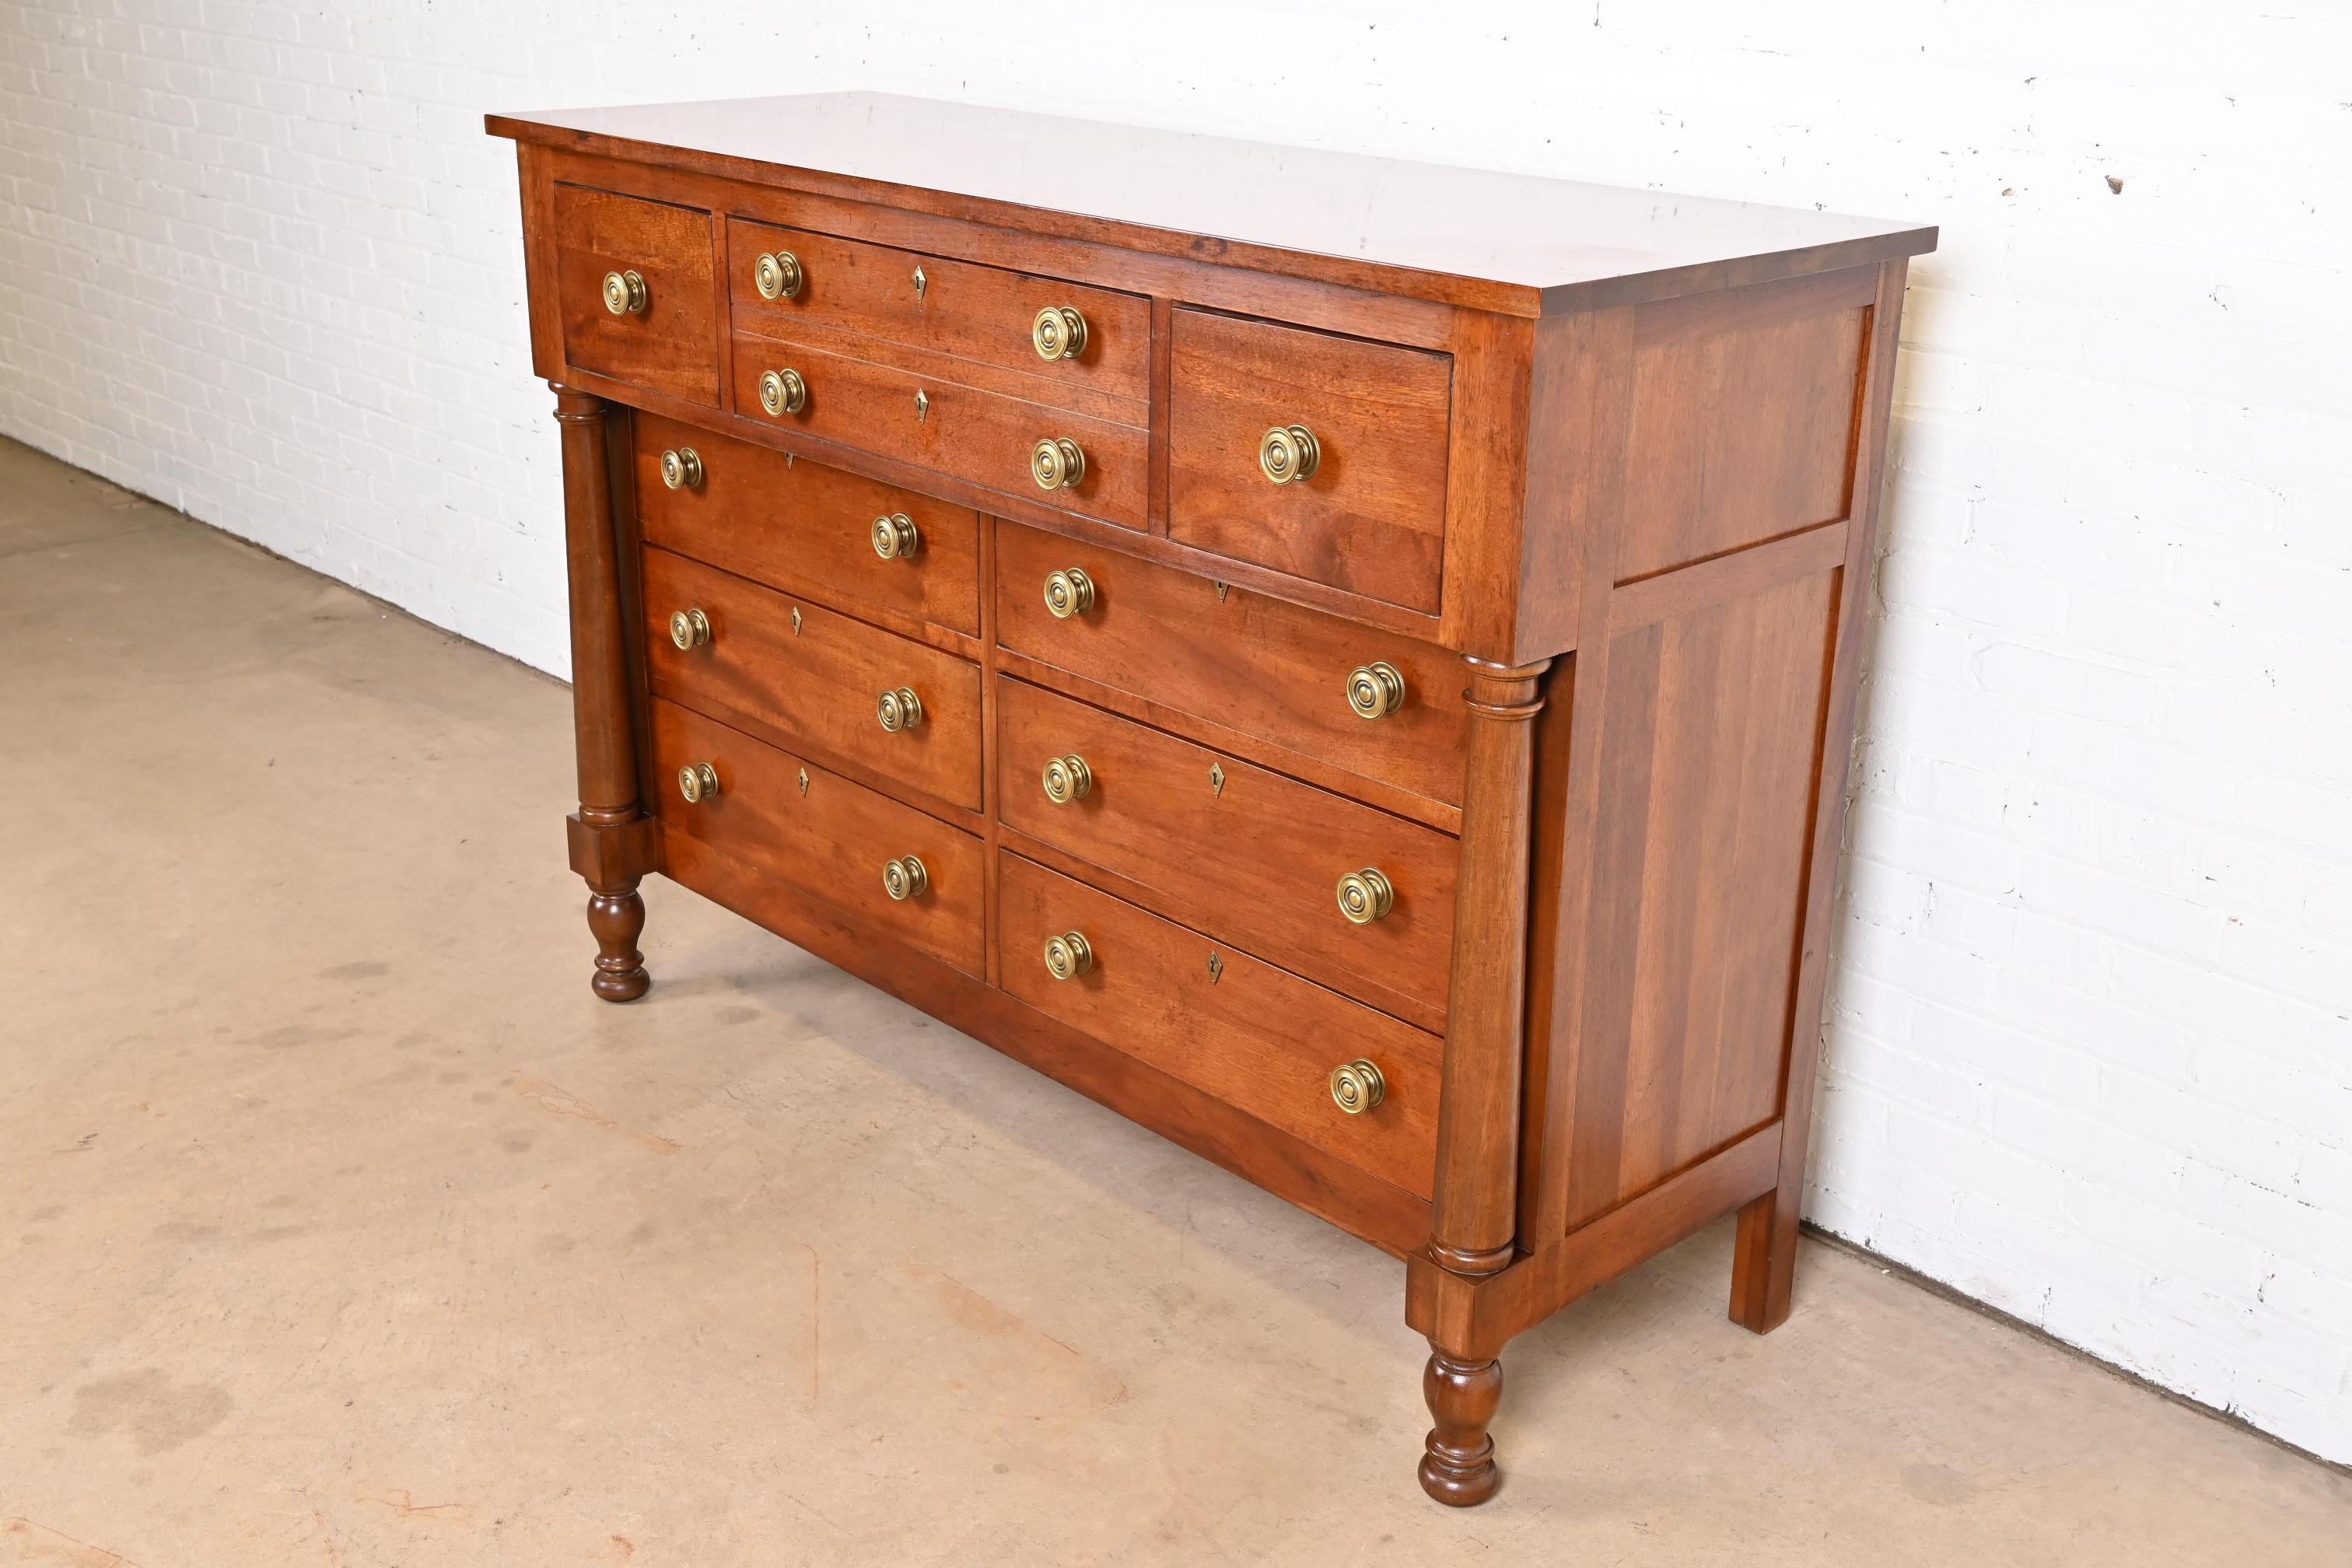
{"points": [[340, 1225]]}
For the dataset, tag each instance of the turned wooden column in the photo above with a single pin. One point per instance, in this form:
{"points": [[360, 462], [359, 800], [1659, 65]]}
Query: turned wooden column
{"points": [[609, 800], [1473, 1217]]}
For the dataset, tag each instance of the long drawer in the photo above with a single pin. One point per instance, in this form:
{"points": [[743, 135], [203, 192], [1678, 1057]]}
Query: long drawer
{"points": [[1288, 869], [805, 528], [1254, 1035], [822, 835], [1246, 662], [814, 675]]}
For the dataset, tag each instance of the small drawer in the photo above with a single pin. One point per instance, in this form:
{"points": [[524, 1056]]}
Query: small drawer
{"points": [[901, 871], [633, 281], [987, 314], [1260, 665], [817, 676], [805, 528], [1356, 430], [1236, 848], [1254, 1035], [987, 438]]}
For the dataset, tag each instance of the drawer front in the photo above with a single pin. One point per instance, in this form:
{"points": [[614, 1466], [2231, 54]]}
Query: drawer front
{"points": [[805, 528], [816, 676], [818, 832], [1234, 848], [1256, 1037], [984, 436], [1371, 516], [987, 314], [1267, 669], [670, 342]]}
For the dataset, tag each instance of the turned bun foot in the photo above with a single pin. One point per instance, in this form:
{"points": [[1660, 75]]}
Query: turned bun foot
{"points": [[1458, 1466], [616, 919]]}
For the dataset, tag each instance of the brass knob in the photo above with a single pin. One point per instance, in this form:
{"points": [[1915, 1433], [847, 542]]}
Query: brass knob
{"points": [[1067, 779], [1289, 452], [905, 878], [624, 292], [1067, 956], [689, 629], [1366, 895], [783, 392], [1357, 1087], [1376, 689], [1056, 463], [778, 274], [1069, 593], [900, 709], [1058, 332], [895, 536], [698, 781], [682, 468]]}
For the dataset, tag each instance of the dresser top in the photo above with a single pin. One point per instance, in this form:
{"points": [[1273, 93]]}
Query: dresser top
{"points": [[1515, 243]]}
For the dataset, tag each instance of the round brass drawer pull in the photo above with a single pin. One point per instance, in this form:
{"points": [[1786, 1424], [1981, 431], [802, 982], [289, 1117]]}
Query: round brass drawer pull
{"points": [[682, 468], [777, 274], [1067, 779], [1289, 452], [783, 392], [1366, 895], [698, 781], [1056, 463], [1058, 332], [1357, 1087], [1069, 593], [1376, 689], [624, 292], [905, 878], [895, 537], [900, 709], [1068, 955], [689, 629]]}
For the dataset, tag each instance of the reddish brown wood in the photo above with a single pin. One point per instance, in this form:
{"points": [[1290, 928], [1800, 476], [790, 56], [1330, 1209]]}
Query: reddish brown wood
{"points": [[1371, 517], [1457, 1464], [669, 346]]}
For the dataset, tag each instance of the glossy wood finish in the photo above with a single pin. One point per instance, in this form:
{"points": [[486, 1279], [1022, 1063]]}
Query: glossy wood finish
{"points": [[1371, 517], [804, 527], [1225, 1021], [670, 345]]}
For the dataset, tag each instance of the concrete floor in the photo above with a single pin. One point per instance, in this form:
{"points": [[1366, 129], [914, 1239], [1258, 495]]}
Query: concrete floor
{"points": [[340, 1225]]}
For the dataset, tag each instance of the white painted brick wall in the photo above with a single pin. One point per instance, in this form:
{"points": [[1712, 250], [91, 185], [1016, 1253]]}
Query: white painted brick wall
{"points": [[2089, 1056]]}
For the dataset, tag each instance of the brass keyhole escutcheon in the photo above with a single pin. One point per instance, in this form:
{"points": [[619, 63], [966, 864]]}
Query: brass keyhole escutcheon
{"points": [[1376, 689], [1067, 779], [796, 620], [1366, 895], [900, 709], [1289, 453], [895, 537], [698, 781], [1217, 779], [804, 783], [905, 878], [921, 283], [1357, 1087], [922, 405], [1058, 332], [624, 292], [777, 275], [682, 468], [1057, 463], [1069, 593], [1216, 969], [689, 629], [1068, 955], [783, 392]]}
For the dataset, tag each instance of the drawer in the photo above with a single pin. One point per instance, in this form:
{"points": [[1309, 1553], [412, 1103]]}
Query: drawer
{"points": [[1371, 516], [1267, 669], [987, 314], [805, 528], [668, 337], [1255, 1037], [987, 438], [819, 833], [814, 676], [1233, 847]]}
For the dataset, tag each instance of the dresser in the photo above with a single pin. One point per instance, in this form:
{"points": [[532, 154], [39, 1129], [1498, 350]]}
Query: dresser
{"points": [[1350, 664]]}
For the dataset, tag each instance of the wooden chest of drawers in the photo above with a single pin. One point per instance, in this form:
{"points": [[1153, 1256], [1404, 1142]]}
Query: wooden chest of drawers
{"points": [[1350, 664]]}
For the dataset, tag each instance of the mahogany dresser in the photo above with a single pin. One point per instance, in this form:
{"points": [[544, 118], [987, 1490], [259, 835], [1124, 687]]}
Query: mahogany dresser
{"points": [[1349, 663]]}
